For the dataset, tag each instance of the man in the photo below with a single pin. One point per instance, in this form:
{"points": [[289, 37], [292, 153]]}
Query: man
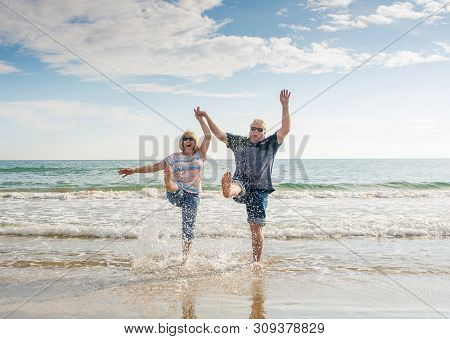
{"points": [[251, 183]]}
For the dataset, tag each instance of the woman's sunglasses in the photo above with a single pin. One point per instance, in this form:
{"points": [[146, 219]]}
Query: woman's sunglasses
{"points": [[260, 130], [188, 139]]}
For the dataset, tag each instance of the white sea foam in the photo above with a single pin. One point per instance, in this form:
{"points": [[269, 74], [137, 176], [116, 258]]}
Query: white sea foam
{"points": [[66, 231], [360, 194], [280, 194], [290, 215], [274, 230], [147, 192]]}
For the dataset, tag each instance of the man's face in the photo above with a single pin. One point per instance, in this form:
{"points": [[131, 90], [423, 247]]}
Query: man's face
{"points": [[257, 132]]}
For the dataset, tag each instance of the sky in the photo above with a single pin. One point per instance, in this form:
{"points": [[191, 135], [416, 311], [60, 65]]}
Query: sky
{"points": [[89, 79]]}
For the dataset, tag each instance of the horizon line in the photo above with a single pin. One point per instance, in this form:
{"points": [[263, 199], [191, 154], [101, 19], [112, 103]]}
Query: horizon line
{"points": [[409, 158]]}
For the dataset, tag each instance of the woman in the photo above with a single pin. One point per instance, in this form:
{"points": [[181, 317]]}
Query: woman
{"points": [[182, 177]]}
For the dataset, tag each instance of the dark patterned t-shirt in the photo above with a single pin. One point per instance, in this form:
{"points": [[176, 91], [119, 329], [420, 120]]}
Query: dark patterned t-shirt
{"points": [[254, 161]]}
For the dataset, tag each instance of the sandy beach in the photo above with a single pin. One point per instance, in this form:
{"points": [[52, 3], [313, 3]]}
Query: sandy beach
{"points": [[214, 285]]}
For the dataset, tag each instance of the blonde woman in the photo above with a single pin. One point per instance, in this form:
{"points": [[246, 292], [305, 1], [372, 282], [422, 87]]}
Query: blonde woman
{"points": [[182, 177]]}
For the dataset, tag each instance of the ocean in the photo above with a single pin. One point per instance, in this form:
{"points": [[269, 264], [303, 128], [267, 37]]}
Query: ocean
{"points": [[344, 238]]}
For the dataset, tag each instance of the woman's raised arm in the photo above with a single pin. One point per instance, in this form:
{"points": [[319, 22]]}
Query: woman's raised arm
{"points": [[159, 166], [207, 133]]}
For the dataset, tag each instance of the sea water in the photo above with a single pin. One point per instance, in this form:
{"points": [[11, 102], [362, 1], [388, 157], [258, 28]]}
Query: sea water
{"points": [[326, 218], [313, 198]]}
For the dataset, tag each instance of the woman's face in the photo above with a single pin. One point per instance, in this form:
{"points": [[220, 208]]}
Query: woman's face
{"points": [[188, 143]]}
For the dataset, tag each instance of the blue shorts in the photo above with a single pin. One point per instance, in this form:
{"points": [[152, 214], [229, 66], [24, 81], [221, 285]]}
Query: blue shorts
{"points": [[189, 205], [255, 201]]}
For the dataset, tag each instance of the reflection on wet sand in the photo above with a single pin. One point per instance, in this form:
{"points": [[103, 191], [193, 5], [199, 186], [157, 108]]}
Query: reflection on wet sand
{"points": [[188, 300], [256, 281], [257, 286], [190, 295]]}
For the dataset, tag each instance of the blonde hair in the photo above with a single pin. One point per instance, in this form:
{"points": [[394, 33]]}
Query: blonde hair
{"points": [[191, 134], [260, 122]]}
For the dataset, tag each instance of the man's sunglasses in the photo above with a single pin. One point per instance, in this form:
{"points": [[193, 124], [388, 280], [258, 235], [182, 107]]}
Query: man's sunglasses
{"points": [[260, 130], [188, 139]]}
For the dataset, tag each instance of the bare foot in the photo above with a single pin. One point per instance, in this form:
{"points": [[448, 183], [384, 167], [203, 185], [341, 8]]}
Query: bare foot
{"points": [[184, 260], [257, 267], [168, 180], [226, 185]]}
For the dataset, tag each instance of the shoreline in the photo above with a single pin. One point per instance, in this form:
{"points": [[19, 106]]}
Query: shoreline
{"points": [[298, 279], [186, 299]]}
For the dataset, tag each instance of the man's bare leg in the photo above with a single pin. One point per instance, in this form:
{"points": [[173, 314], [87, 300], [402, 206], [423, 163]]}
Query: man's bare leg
{"points": [[257, 241], [171, 186], [186, 250], [229, 188]]}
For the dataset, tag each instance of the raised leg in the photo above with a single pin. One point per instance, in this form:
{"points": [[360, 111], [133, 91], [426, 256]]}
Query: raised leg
{"points": [[229, 188], [171, 186]]}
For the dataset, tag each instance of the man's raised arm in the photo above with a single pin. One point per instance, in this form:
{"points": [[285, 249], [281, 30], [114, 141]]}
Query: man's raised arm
{"points": [[285, 117], [219, 134]]}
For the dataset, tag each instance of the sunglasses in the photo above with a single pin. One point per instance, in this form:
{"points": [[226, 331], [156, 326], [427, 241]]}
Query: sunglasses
{"points": [[188, 139], [260, 130]]}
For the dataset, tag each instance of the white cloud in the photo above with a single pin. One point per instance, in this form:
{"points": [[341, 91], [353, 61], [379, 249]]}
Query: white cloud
{"points": [[282, 12], [344, 21], [126, 38], [327, 28], [156, 88], [384, 15], [444, 45], [400, 10], [295, 28], [318, 58], [153, 37], [61, 115], [322, 58], [406, 58], [432, 5], [376, 19], [135, 38], [6, 68], [326, 4]]}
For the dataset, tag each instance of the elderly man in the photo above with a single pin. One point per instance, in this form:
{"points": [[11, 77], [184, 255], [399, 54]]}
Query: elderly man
{"points": [[251, 183]]}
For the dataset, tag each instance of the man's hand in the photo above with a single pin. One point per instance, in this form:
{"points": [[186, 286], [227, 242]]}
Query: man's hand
{"points": [[285, 117], [284, 97], [125, 171], [199, 114]]}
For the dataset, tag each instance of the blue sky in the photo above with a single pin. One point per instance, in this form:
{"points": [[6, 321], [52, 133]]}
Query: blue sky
{"points": [[231, 58]]}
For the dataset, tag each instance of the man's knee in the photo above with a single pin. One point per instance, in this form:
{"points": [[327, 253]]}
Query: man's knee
{"points": [[257, 229]]}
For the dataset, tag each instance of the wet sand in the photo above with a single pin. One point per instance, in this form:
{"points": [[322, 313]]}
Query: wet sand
{"points": [[207, 288]]}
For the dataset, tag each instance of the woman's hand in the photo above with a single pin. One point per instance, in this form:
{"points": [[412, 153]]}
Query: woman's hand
{"points": [[206, 140], [126, 171], [199, 114]]}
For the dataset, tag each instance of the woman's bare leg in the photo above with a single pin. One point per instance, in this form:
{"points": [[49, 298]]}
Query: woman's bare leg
{"points": [[171, 186], [186, 247]]}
